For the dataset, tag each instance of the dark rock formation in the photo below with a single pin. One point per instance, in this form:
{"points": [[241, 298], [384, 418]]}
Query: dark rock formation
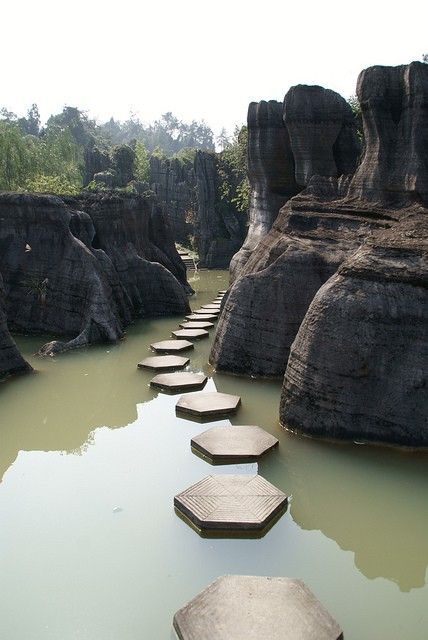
{"points": [[270, 173], [321, 128], [60, 278], [394, 104], [219, 228], [174, 182], [189, 194], [11, 361], [358, 368], [279, 271], [96, 160]]}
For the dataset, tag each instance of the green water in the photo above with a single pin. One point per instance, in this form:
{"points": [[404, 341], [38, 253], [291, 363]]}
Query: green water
{"points": [[90, 546]]}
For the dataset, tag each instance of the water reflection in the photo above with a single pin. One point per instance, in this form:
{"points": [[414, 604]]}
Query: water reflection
{"points": [[370, 501]]}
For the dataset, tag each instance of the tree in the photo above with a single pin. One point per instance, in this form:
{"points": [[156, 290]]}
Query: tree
{"points": [[223, 139], [141, 163], [15, 161], [425, 58]]}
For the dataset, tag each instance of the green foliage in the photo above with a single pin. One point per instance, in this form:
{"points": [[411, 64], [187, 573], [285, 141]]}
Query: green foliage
{"points": [[354, 103], [232, 170], [141, 163], [425, 58], [50, 163], [185, 155]]}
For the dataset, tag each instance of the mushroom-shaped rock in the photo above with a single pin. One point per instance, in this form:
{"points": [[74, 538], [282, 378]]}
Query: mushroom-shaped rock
{"points": [[255, 607], [202, 316], [234, 444], [163, 363], [238, 503], [172, 345], [208, 404], [181, 381], [196, 325], [191, 334]]}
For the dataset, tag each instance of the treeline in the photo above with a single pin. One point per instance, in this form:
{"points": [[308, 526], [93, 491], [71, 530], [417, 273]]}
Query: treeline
{"points": [[63, 155]]}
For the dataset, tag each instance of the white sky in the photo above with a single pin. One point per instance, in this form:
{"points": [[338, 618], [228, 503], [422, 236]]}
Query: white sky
{"points": [[200, 59]]}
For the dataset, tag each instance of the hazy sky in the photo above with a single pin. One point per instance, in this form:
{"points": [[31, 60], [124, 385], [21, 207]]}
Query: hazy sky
{"points": [[201, 59]]}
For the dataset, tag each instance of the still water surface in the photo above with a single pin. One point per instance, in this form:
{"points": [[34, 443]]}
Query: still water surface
{"points": [[90, 546]]}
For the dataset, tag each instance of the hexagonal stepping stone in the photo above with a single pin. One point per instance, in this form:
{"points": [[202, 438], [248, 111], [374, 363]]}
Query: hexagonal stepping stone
{"points": [[201, 316], [239, 443], [181, 381], [196, 325], [256, 608], [223, 291], [204, 312], [211, 307], [231, 502], [191, 334], [163, 363], [208, 405], [172, 345]]}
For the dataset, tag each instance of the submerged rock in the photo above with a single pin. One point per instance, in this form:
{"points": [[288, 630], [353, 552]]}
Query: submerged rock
{"points": [[358, 368]]}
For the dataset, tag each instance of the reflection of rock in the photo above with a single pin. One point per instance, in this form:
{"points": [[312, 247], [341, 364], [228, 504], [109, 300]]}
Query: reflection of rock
{"points": [[359, 365], [83, 282], [341, 490], [11, 361]]}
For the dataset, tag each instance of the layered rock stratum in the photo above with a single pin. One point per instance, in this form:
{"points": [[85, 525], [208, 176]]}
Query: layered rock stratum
{"points": [[85, 275]]}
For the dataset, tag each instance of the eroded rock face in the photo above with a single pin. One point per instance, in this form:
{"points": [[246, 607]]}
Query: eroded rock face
{"points": [[11, 361], [321, 128], [270, 173], [219, 228], [358, 366], [394, 104], [79, 275], [267, 304]]}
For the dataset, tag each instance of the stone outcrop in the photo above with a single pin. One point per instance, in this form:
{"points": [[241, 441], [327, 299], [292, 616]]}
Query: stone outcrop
{"points": [[174, 182], [189, 194], [270, 173], [84, 275], [394, 105], [277, 273], [358, 368], [11, 361], [219, 227]]}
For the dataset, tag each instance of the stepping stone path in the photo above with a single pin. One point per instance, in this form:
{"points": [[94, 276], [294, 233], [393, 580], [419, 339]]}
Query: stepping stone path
{"points": [[233, 444], [182, 381], [202, 316], [232, 607], [231, 502], [196, 325], [164, 363], [172, 345], [255, 608], [208, 405], [191, 334], [205, 312]]}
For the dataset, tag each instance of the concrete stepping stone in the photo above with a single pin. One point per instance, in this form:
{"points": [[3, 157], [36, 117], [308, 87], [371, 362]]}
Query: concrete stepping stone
{"points": [[211, 306], [196, 325], [181, 381], [223, 291], [256, 608], [231, 502], [239, 443], [204, 312], [191, 334], [208, 405], [201, 316], [164, 363], [172, 345]]}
